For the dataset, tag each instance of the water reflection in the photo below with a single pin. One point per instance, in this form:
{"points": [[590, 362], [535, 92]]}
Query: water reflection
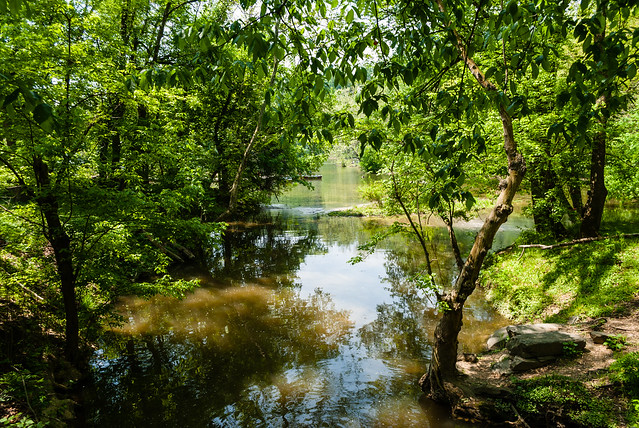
{"points": [[285, 332], [185, 362], [265, 251]]}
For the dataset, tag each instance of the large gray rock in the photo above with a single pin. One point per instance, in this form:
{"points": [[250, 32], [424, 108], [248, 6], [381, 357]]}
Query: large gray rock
{"points": [[510, 365], [519, 364], [542, 344], [500, 337]]}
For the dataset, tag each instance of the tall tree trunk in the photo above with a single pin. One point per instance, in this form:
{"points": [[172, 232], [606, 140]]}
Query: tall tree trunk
{"points": [[597, 193], [546, 193], [594, 207], [61, 244]]}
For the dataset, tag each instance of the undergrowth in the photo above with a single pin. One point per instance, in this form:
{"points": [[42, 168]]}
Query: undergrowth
{"points": [[593, 280], [560, 401]]}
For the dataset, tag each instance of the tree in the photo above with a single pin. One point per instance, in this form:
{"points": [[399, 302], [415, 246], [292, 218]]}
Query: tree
{"points": [[433, 40], [101, 138], [608, 40], [56, 79]]}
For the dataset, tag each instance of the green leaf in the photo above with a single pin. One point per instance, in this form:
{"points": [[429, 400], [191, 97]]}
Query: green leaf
{"points": [[363, 139], [408, 76], [328, 136], [43, 115], [535, 70], [351, 120], [14, 6], [350, 16], [397, 126], [9, 99], [433, 202], [563, 98], [384, 47], [369, 106], [582, 123], [470, 201], [433, 133], [490, 72], [587, 42]]}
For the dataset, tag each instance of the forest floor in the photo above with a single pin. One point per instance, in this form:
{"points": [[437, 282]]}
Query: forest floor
{"points": [[593, 287], [587, 367], [593, 397]]}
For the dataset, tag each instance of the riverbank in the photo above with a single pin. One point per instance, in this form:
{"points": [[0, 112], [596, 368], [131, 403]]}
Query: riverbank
{"points": [[590, 287]]}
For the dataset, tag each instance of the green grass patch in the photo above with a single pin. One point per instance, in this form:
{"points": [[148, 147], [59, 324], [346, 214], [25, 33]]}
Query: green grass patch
{"points": [[560, 401], [351, 212], [594, 279]]}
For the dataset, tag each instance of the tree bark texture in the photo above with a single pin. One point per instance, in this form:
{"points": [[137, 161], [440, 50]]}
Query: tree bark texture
{"points": [[61, 244], [444, 357], [597, 193], [546, 194]]}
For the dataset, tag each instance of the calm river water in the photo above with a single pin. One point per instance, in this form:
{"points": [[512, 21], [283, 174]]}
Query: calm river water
{"points": [[284, 331]]}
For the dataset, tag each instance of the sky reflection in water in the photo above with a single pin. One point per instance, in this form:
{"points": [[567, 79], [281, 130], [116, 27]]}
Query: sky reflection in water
{"points": [[285, 332]]}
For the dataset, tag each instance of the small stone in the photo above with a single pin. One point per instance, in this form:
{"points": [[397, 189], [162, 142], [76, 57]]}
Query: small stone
{"points": [[599, 337], [503, 367], [573, 320], [470, 358]]}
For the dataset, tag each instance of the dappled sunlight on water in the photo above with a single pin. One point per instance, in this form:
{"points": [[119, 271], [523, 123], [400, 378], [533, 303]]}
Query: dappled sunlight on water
{"points": [[284, 331]]}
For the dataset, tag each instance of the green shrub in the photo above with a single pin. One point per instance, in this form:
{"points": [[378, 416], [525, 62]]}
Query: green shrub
{"points": [[616, 343], [625, 371], [572, 350]]}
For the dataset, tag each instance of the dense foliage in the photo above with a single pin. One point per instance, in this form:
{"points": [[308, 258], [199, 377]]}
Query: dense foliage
{"points": [[130, 129]]}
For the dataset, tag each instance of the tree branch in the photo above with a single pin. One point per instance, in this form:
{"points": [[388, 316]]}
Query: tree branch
{"points": [[578, 241]]}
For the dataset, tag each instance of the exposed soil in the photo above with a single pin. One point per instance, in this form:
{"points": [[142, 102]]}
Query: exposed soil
{"points": [[589, 368]]}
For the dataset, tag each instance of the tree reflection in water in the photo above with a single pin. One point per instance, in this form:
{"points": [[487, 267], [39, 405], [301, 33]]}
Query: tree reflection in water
{"points": [[260, 251], [163, 370], [248, 350]]}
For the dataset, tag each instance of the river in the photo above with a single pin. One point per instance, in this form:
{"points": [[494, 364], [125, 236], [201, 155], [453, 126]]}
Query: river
{"points": [[284, 331]]}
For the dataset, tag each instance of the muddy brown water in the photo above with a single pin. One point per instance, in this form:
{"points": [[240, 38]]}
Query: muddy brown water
{"points": [[284, 331]]}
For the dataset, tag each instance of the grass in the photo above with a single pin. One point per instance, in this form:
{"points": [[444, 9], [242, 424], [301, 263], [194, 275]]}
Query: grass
{"points": [[550, 400], [593, 280]]}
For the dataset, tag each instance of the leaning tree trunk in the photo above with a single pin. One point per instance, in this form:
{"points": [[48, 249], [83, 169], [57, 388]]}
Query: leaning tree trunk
{"points": [[61, 244], [444, 357]]}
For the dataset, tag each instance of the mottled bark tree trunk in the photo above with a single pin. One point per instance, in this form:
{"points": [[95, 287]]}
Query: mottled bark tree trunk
{"points": [[444, 358], [443, 364]]}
